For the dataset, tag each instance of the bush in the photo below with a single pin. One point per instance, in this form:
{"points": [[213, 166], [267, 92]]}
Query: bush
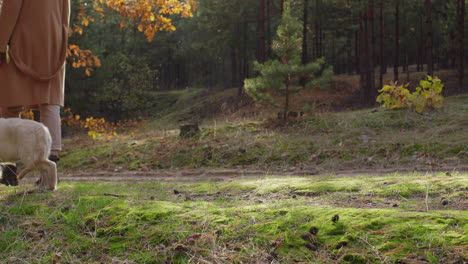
{"points": [[426, 97], [394, 96]]}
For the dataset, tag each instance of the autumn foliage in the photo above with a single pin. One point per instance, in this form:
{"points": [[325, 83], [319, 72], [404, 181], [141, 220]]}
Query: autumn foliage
{"points": [[99, 128], [149, 16], [428, 95], [82, 59]]}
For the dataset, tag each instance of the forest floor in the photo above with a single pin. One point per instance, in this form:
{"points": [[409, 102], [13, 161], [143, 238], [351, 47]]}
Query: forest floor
{"points": [[359, 218], [363, 186], [369, 140]]}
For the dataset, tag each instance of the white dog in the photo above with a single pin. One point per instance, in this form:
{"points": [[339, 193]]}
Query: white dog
{"points": [[28, 142]]}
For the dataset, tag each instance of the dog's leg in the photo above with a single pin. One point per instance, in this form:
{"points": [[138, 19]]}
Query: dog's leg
{"points": [[49, 179], [25, 171]]}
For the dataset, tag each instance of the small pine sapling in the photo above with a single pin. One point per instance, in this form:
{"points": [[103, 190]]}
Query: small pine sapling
{"points": [[280, 78]]}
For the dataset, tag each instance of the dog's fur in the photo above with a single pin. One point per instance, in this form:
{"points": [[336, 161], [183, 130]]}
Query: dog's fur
{"points": [[28, 142]]}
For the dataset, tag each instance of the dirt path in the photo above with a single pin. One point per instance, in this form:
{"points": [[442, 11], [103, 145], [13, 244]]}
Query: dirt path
{"points": [[226, 174]]}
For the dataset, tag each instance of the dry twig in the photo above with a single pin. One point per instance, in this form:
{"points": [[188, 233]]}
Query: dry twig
{"points": [[374, 250]]}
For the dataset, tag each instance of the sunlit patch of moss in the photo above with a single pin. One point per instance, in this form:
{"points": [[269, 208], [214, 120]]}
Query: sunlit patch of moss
{"points": [[246, 217]]}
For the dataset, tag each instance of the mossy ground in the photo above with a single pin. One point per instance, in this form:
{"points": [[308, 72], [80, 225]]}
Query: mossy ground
{"points": [[397, 218], [382, 219]]}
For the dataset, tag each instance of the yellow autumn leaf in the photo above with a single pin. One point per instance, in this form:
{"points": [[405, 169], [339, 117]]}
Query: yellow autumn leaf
{"points": [[78, 29], [85, 22]]}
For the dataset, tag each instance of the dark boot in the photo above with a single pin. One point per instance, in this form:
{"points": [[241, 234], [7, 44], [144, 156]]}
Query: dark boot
{"points": [[9, 176], [54, 158]]}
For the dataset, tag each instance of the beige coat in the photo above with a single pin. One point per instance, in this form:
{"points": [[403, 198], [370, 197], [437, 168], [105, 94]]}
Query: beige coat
{"points": [[36, 32]]}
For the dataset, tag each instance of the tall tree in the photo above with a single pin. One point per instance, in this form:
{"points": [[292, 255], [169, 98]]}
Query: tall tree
{"points": [[305, 55], [235, 58], [361, 53], [371, 51], [317, 30], [429, 37], [421, 44], [382, 41], [397, 40], [268, 28], [304, 33], [261, 52], [461, 46]]}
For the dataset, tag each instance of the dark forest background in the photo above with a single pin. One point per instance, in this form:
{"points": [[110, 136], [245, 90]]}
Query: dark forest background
{"points": [[216, 48]]}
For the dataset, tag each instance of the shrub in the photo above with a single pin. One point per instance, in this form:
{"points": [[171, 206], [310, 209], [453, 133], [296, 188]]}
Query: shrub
{"points": [[394, 96], [426, 97]]}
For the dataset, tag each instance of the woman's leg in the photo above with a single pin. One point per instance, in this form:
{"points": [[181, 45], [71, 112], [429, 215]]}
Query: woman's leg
{"points": [[50, 117]]}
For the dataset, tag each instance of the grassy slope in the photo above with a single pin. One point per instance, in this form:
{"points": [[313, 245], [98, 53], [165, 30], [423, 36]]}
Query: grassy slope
{"points": [[383, 219], [364, 139]]}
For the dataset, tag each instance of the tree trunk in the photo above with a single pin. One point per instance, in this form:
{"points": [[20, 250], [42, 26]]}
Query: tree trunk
{"points": [[268, 28], [320, 44], [382, 40], [421, 45], [316, 30], [234, 67], [261, 32], [236, 59], [357, 51], [286, 100], [281, 7], [397, 41], [349, 57], [429, 37], [370, 58], [406, 63], [405, 47], [305, 54], [461, 46], [362, 55], [243, 63]]}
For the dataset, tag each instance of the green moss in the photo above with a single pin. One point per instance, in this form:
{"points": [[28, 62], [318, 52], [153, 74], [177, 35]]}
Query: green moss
{"points": [[246, 217]]}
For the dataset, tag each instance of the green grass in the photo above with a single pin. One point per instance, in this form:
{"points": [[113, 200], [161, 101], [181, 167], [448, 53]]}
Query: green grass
{"points": [[240, 221], [364, 139], [383, 219]]}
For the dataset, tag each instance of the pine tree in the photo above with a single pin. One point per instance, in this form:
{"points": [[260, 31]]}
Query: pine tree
{"points": [[280, 78]]}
